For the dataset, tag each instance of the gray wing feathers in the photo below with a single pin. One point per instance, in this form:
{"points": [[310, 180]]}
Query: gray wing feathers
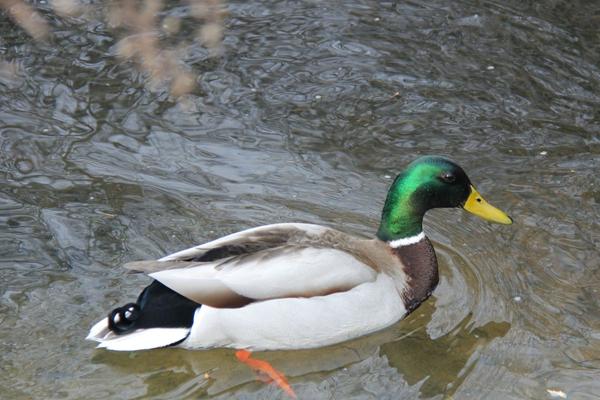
{"points": [[269, 262], [151, 266], [247, 242]]}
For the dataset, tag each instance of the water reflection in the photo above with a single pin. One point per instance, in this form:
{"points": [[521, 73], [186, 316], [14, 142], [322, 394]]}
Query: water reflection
{"points": [[440, 365]]}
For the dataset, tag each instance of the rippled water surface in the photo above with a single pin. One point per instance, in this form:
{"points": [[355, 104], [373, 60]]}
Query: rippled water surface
{"points": [[306, 114]]}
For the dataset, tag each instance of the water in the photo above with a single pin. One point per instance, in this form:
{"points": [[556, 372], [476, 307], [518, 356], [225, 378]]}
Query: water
{"points": [[305, 116]]}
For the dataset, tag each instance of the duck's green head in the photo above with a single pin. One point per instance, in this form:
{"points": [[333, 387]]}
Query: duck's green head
{"points": [[430, 182]]}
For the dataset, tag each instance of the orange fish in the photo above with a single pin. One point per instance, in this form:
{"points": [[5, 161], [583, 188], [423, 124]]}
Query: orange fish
{"points": [[264, 369]]}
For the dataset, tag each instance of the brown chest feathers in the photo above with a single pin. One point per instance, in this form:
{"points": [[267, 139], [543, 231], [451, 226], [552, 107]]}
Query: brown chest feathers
{"points": [[420, 267]]}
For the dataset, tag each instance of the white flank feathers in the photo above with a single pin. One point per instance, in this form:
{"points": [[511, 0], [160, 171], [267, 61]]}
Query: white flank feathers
{"points": [[299, 323]]}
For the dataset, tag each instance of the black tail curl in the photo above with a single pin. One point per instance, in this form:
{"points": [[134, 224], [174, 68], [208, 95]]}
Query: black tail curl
{"points": [[122, 319], [156, 307]]}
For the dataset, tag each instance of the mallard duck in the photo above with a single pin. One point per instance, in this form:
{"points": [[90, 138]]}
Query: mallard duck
{"points": [[296, 285]]}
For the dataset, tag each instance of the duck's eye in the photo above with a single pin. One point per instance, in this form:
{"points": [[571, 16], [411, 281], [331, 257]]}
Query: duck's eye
{"points": [[448, 177]]}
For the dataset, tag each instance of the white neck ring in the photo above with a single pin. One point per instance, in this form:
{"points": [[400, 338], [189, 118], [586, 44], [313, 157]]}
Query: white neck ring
{"points": [[407, 241]]}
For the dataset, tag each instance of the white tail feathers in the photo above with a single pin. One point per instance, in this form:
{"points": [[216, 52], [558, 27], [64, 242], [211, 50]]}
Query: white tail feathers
{"points": [[141, 339], [99, 331]]}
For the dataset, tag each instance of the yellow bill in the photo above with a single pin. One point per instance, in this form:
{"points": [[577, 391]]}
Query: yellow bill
{"points": [[475, 204]]}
